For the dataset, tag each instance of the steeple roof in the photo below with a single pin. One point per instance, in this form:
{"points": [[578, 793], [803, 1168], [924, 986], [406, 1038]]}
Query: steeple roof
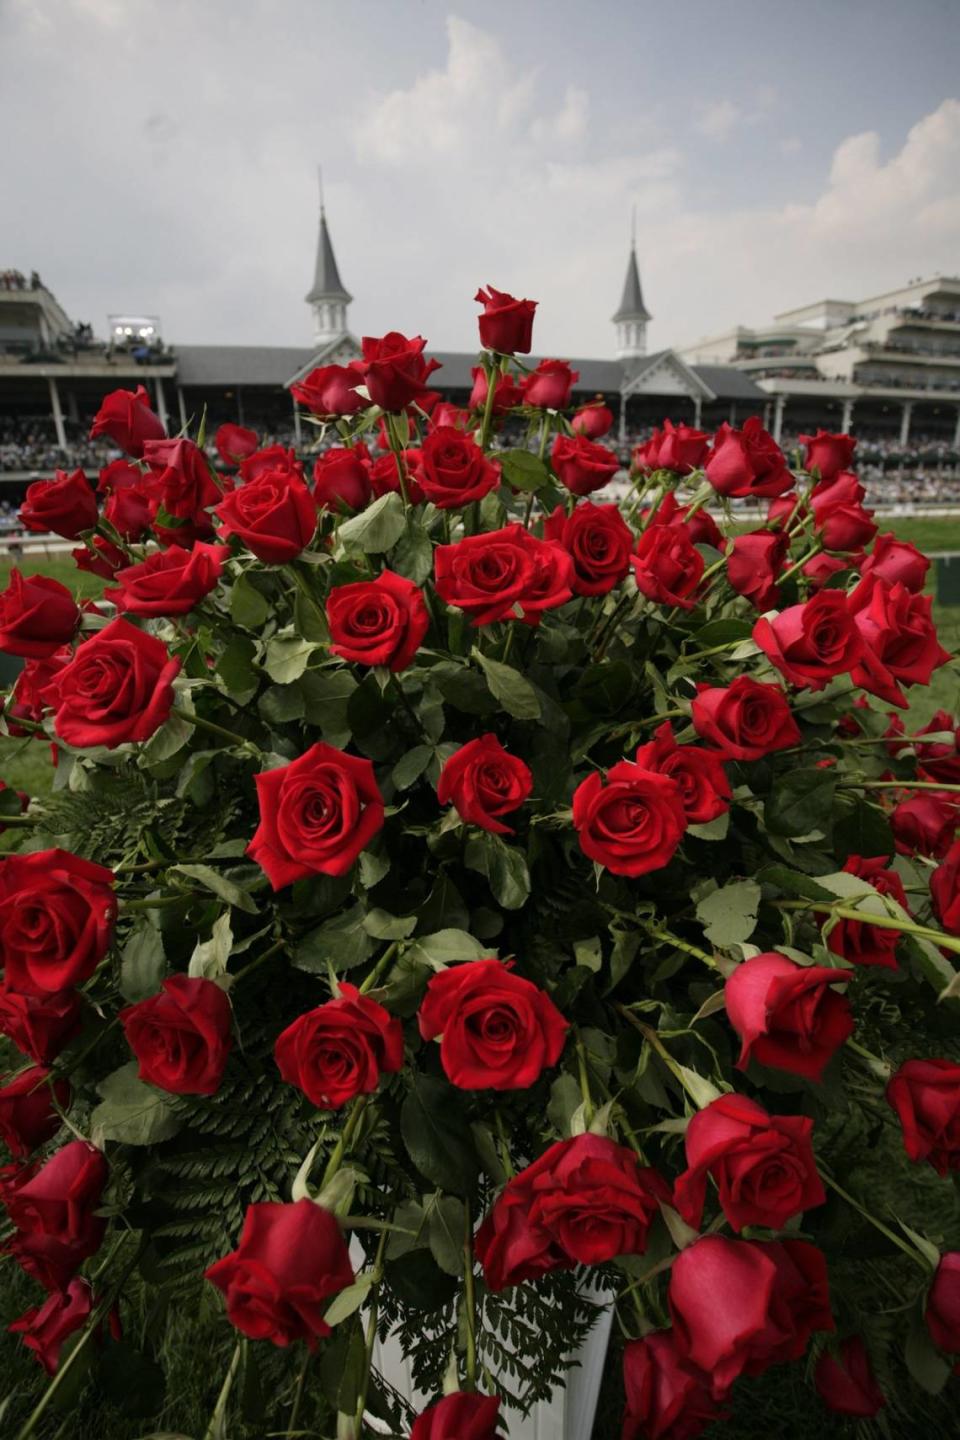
{"points": [[631, 301], [327, 284]]}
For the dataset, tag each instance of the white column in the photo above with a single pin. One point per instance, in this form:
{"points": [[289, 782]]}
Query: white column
{"points": [[57, 413], [732, 417], [847, 420], [697, 407], [905, 421], [161, 402], [778, 417], [296, 424], [182, 407], [956, 433]]}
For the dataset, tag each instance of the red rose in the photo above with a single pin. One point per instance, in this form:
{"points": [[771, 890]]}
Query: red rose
{"points": [[341, 478], [700, 526], [26, 699], [839, 516], [377, 622], [455, 469], [461, 1416], [940, 758], [55, 1214], [290, 1261], [845, 1382], [497, 1031], [235, 443], [945, 890], [274, 516], [507, 393], [746, 720], [857, 941], [394, 370], [316, 815], [786, 508], [103, 560], [631, 820], [483, 782], [753, 563], [57, 913], [331, 390], [667, 1399], [821, 567], [384, 477], [39, 1025], [828, 454], [485, 575], [340, 1049], [45, 1328], [788, 1016], [118, 688], [551, 578], [667, 567], [812, 643], [181, 1037], [593, 420], [506, 325], [182, 482], [27, 1115], [130, 511], [740, 1306], [169, 582], [679, 448], [65, 505], [926, 1097], [126, 417], [698, 774], [900, 644], [943, 1304], [597, 541], [37, 616], [925, 824], [548, 387], [585, 1201], [747, 463], [763, 1165], [270, 460], [898, 562], [581, 465], [446, 414]]}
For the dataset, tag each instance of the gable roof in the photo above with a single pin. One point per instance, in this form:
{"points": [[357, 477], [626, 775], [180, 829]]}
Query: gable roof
{"points": [[238, 364], [729, 383]]}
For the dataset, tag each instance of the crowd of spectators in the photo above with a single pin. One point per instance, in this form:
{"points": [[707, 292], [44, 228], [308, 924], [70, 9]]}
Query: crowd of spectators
{"points": [[16, 280]]}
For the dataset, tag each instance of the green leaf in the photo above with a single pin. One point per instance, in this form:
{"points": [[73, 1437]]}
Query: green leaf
{"points": [[413, 553], [588, 953], [131, 1111], [309, 618], [925, 1363], [722, 632], [446, 1231], [863, 830], [411, 766], [565, 1100], [287, 657], [142, 964], [446, 947], [523, 470], [713, 830], [504, 866], [209, 958], [463, 688], [377, 528], [165, 742], [800, 802], [248, 608], [281, 703], [626, 943], [383, 926], [435, 1133], [327, 694], [213, 880], [349, 1300], [341, 942], [729, 915], [516, 695], [237, 670], [792, 882]]}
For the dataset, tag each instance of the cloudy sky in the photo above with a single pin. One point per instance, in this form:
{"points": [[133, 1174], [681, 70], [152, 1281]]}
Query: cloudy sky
{"points": [[159, 156]]}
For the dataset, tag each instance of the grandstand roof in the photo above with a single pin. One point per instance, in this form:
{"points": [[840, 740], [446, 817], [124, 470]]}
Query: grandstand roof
{"points": [[729, 383], [239, 364]]}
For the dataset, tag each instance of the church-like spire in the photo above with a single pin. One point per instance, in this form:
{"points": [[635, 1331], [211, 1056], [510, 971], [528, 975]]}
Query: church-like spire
{"points": [[631, 301], [632, 315], [328, 296]]}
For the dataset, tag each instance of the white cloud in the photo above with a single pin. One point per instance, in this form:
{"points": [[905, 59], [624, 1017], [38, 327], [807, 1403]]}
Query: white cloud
{"points": [[719, 120]]}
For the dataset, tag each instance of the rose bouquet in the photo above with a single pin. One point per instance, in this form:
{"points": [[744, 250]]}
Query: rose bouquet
{"points": [[461, 900]]}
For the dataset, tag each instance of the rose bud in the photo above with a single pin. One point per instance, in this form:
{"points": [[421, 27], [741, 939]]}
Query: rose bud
{"points": [[482, 781], [666, 1397], [845, 1382], [117, 689], [394, 370], [385, 476], [181, 1037], [45, 1328], [548, 387], [754, 562], [745, 720], [271, 460], [316, 815], [940, 758], [485, 575], [497, 1031], [679, 448], [55, 1213], [925, 824], [926, 1097], [740, 1306], [857, 941], [699, 774], [898, 562], [341, 478], [455, 470], [843, 527], [585, 1201], [378, 622], [37, 616], [274, 516], [747, 463], [945, 890], [331, 390], [785, 510], [597, 541], [788, 1016], [592, 421], [550, 581], [811, 644], [39, 1025], [340, 1049], [630, 820], [169, 582], [446, 415], [57, 913], [465, 1415], [129, 510], [900, 644], [506, 396], [65, 505], [27, 1114], [506, 325], [763, 1165], [26, 698], [582, 466], [943, 1304], [235, 443], [126, 418], [183, 482], [821, 567], [103, 560], [701, 526], [291, 1260], [828, 454], [667, 567]]}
